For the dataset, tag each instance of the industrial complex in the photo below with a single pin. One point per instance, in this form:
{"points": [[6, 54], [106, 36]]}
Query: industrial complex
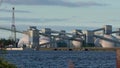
{"points": [[35, 38], [47, 38], [102, 37]]}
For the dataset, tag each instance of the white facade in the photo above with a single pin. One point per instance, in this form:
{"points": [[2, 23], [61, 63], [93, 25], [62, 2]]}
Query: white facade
{"points": [[25, 41], [104, 43], [77, 44]]}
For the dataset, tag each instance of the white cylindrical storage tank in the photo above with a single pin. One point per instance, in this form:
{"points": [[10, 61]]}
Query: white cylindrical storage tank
{"points": [[24, 41], [45, 40], [105, 43], [77, 44], [97, 42]]}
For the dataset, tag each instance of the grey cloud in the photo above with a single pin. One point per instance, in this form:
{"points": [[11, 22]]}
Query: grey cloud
{"points": [[115, 20], [41, 20], [97, 22], [52, 3], [19, 11]]}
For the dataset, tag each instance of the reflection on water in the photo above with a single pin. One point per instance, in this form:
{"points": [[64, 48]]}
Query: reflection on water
{"points": [[60, 59]]}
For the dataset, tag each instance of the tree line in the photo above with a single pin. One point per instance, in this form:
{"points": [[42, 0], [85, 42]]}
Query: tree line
{"points": [[6, 42]]}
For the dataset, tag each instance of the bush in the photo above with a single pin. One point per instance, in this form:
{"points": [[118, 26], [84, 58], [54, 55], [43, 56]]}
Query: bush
{"points": [[5, 64]]}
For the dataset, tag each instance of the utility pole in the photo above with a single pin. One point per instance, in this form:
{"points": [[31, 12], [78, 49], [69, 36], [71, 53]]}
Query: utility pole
{"points": [[13, 28]]}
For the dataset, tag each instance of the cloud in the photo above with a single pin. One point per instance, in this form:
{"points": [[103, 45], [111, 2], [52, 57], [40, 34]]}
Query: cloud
{"points": [[41, 20], [19, 11], [53, 3], [115, 20]]}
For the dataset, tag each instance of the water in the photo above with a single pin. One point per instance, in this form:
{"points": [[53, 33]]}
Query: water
{"points": [[60, 59]]}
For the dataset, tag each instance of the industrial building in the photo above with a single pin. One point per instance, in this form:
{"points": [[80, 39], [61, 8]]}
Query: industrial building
{"points": [[49, 38]]}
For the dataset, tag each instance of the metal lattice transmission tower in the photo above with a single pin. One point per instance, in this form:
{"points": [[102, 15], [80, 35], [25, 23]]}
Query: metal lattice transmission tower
{"points": [[13, 28]]}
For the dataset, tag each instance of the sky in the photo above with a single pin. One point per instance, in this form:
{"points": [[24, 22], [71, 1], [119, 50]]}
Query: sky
{"points": [[59, 14]]}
